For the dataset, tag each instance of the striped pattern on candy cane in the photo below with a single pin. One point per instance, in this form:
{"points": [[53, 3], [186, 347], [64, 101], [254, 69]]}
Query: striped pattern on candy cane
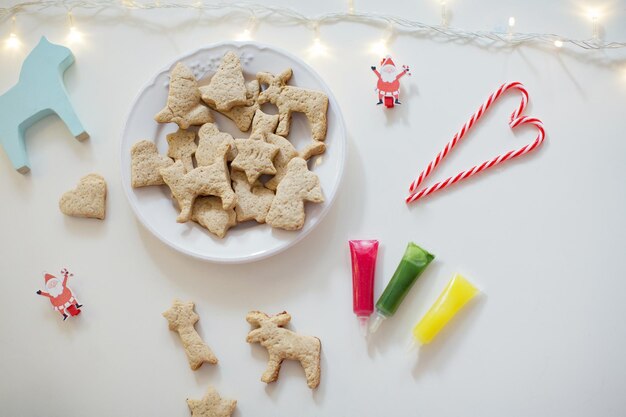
{"points": [[515, 120]]}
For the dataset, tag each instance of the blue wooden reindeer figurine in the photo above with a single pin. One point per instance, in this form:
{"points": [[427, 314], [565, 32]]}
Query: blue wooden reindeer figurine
{"points": [[39, 93]]}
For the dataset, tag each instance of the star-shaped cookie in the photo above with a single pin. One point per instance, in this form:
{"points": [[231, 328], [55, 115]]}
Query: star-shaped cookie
{"points": [[211, 405], [254, 157], [286, 152]]}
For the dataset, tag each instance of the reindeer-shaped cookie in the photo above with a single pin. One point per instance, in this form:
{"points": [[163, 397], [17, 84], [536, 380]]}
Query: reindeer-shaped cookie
{"points": [[284, 344], [39, 93], [288, 99], [207, 180]]}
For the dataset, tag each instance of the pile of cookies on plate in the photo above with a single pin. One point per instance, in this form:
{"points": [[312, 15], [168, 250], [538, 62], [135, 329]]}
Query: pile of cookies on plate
{"points": [[217, 180]]}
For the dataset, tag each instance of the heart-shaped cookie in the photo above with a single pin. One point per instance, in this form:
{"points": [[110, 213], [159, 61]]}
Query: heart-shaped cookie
{"points": [[88, 199], [517, 119]]}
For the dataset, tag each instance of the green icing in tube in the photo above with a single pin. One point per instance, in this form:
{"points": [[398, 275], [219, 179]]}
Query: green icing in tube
{"points": [[413, 263]]}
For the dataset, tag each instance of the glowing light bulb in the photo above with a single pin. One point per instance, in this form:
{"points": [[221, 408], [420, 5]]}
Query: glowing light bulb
{"points": [[74, 35], [558, 43], [318, 48], [246, 35], [12, 42], [594, 16], [379, 48], [444, 14], [511, 25], [351, 6]]}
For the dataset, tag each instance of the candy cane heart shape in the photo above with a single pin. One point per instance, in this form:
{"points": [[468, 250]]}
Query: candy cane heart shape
{"points": [[517, 119]]}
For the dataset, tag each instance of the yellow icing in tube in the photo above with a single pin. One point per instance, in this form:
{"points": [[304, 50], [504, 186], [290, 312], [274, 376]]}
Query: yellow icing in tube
{"points": [[456, 294]]}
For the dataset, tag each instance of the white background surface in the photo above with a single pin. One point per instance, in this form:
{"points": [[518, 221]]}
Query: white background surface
{"points": [[543, 236]]}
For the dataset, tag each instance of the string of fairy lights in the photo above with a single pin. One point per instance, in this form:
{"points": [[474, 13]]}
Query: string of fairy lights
{"points": [[256, 13]]}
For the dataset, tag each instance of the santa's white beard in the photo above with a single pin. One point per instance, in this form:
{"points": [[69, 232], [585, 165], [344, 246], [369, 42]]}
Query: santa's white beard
{"points": [[388, 73], [56, 290]]}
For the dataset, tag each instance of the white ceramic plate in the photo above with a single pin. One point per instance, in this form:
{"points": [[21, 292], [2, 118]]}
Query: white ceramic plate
{"points": [[249, 241]]}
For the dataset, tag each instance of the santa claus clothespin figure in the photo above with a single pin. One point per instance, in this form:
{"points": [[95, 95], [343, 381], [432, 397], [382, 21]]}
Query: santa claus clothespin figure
{"points": [[388, 86], [60, 295]]}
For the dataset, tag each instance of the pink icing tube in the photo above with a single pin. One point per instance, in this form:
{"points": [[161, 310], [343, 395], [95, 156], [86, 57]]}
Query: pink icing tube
{"points": [[363, 254]]}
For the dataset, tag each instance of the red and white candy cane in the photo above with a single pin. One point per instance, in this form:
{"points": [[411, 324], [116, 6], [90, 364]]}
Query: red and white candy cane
{"points": [[516, 120]]}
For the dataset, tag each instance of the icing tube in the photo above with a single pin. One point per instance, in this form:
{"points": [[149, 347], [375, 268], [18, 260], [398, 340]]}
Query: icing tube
{"points": [[412, 264], [456, 294], [363, 254]]}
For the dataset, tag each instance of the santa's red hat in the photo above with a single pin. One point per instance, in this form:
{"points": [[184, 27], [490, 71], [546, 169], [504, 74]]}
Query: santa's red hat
{"points": [[48, 277], [387, 61]]}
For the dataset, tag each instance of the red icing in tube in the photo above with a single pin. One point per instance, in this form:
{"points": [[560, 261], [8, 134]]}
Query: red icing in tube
{"points": [[363, 253]]}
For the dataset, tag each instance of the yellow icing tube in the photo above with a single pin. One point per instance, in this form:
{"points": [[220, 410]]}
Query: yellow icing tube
{"points": [[456, 294]]}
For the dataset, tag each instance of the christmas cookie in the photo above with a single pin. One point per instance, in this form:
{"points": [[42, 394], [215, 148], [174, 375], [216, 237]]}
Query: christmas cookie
{"points": [[286, 152], [146, 164], [184, 106], [242, 115], [298, 185], [289, 99], [262, 124], [209, 213], [211, 405], [254, 157], [253, 201], [227, 88], [211, 139], [205, 180], [182, 146], [313, 149], [182, 318], [88, 199], [284, 344]]}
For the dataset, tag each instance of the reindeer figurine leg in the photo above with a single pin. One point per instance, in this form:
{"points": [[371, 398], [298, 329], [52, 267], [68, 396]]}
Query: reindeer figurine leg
{"points": [[65, 111], [13, 143]]}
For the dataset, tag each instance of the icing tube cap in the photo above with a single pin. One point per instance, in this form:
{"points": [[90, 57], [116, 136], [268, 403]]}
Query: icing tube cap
{"points": [[378, 319], [413, 346], [363, 325]]}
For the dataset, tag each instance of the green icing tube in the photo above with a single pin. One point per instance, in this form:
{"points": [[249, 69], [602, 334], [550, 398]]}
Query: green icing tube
{"points": [[413, 263]]}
